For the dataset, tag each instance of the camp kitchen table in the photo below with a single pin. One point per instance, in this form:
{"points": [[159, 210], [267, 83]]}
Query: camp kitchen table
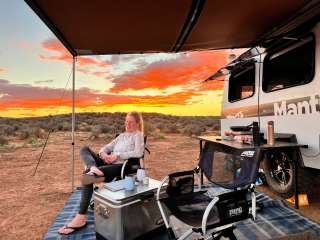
{"points": [[236, 148], [126, 214]]}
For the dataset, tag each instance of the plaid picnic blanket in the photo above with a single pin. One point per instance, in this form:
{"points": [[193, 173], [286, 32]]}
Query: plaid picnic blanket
{"points": [[273, 221]]}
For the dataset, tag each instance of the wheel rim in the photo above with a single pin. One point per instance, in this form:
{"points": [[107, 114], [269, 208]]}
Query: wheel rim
{"points": [[281, 169]]}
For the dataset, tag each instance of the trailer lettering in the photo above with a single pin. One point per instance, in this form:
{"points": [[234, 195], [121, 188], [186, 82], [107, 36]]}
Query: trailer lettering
{"points": [[304, 105], [308, 105], [292, 109], [280, 110]]}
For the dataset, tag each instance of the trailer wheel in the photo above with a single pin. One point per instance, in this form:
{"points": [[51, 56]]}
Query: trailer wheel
{"points": [[279, 172]]}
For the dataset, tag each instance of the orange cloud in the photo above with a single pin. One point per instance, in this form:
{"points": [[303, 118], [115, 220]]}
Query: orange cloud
{"points": [[180, 98], [14, 96], [61, 54], [190, 68]]}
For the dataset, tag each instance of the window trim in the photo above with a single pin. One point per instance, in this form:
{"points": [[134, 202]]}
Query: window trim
{"points": [[237, 73], [285, 49]]}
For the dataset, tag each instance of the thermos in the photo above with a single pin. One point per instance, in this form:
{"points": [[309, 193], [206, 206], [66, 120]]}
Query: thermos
{"points": [[256, 133], [270, 133]]}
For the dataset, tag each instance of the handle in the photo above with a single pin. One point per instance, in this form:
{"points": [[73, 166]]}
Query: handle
{"points": [[146, 196]]}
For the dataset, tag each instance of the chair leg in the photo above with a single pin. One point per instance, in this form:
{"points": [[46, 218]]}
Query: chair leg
{"points": [[228, 233], [91, 205], [171, 234]]}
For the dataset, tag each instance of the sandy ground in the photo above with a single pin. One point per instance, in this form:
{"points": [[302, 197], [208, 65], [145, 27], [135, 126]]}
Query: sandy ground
{"points": [[28, 204]]}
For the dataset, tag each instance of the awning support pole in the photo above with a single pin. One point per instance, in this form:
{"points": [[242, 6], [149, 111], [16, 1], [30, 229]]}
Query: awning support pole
{"points": [[73, 119]]}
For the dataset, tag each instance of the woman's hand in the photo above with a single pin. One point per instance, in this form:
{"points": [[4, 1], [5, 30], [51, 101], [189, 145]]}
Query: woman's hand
{"points": [[109, 158]]}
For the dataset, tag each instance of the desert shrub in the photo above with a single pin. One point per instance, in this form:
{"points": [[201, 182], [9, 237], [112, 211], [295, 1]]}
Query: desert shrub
{"points": [[9, 130], [191, 129], [3, 141], [95, 133], [66, 126], [87, 128], [40, 133], [24, 135], [159, 125], [118, 127], [158, 135], [173, 128], [106, 129], [148, 128], [59, 127], [32, 140]]}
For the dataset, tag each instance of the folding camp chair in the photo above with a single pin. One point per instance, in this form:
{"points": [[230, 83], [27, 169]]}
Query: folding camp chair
{"points": [[129, 166], [210, 213]]}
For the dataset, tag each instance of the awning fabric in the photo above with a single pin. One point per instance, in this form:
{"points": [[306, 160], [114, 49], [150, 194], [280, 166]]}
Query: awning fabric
{"points": [[140, 26]]}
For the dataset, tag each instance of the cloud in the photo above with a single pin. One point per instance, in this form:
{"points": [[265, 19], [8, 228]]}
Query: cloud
{"points": [[181, 98], [23, 45], [2, 70], [93, 72], [44, 81], [53, 46], [186, 69], [16, 96]]}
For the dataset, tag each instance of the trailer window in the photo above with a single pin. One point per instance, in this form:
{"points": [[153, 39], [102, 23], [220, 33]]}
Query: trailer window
{"points": [[241, 84], [290, 66]]}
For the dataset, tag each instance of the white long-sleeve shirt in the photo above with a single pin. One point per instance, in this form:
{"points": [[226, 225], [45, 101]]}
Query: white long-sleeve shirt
{"points": [[126, 145]]}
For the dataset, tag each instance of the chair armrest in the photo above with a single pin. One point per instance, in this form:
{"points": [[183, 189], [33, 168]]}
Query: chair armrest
{"points": [[127, 162], [206, 214], [123, 168]]}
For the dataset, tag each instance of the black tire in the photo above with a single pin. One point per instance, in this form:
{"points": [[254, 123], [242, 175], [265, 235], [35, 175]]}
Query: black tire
{"points": [[279, 173]]}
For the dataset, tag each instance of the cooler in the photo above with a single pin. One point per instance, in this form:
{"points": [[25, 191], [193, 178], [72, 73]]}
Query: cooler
{"points": [[126, 214]]}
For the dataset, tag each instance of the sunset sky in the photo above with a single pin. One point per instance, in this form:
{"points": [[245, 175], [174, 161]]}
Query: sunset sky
{"points": [[35, 68]]}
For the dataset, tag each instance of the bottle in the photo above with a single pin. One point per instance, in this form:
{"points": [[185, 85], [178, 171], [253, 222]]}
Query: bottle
{"points": [[256, 133], [270, 133]]}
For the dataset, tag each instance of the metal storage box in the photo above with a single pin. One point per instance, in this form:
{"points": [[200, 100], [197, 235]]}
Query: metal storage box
{"points": [[126, 214]]}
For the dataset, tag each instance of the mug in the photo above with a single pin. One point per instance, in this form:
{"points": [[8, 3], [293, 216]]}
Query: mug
{"points": [[128, 183], [141, 174]]}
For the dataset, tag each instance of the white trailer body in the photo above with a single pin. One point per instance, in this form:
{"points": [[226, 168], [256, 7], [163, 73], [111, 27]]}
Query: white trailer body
{"points": [[281, 84]]}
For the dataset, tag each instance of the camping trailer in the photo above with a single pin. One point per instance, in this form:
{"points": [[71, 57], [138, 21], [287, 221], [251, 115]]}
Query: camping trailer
{"points": [[279, 83]]}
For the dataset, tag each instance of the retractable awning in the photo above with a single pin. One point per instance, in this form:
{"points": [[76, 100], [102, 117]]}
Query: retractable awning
{"points": [[142, 26]]}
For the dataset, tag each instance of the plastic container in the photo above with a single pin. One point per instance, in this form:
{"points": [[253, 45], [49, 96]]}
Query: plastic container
{"points": [[128, 183]]}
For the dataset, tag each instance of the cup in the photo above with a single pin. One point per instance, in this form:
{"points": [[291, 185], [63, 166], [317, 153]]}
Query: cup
{"points": [[141, 174], [146, 181], [128, 183], [270, 133]]}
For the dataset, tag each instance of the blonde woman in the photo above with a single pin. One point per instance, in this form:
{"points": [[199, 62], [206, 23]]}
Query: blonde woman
{"points": [[106, 165]]}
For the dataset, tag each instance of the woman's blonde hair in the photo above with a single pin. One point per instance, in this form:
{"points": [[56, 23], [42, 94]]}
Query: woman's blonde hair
{"points": [[138, 118]]}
